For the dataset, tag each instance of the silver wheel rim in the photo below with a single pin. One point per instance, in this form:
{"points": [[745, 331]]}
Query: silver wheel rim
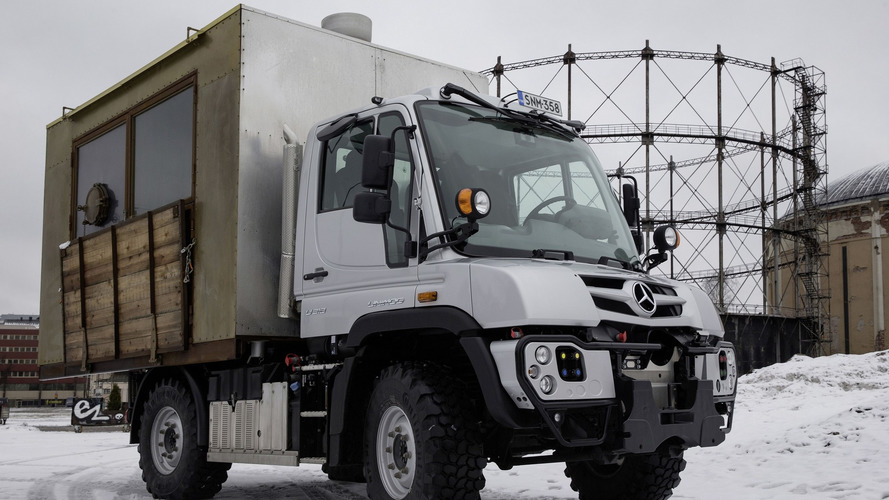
{"points": [[396, 452], [166, 440]]}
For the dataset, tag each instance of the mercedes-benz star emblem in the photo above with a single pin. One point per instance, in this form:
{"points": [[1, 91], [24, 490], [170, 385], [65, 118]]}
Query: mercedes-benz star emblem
{"points": [[644, 297]]}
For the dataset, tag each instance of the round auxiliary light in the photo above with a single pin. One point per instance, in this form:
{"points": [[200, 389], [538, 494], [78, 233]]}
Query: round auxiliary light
{"points": [[482, 202], [473, 203], [547, 384], [666, 238], [534, 371], [543, 355]]}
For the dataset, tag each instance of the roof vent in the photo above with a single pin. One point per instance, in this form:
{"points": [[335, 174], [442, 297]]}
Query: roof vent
{"points": [[349, 24]]}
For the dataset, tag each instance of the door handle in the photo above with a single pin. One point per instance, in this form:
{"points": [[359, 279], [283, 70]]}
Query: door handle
{"points": [[319, 273]]}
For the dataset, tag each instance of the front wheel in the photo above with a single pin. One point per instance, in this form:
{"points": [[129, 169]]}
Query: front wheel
{"points": [[173, 466], [421, 441], [634, 477]]}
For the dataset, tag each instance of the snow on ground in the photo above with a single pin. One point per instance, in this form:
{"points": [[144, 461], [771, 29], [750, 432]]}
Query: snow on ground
{"points": [[808, 428]]}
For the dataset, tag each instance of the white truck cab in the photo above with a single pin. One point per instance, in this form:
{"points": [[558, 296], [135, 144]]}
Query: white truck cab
{"points": [[448, 227]]}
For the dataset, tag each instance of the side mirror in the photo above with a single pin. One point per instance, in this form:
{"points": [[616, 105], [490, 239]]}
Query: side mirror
{"points": [[631, 205], [371, 207], [378, 161]]}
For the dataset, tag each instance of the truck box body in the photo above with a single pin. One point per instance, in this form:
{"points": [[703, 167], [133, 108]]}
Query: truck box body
{"points": [[133, 292]]}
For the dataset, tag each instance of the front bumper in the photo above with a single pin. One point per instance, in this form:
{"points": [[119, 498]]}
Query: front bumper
{"points": [[601, 405]]}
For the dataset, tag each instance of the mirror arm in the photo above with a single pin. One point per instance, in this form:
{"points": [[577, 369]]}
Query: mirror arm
{"points": [[463, 230], [410, 132], [409, 246]]}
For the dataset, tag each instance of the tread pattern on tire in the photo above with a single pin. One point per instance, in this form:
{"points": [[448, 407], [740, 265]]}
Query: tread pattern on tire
{"points": [[194, 478], [451, 438], [640, 477]]}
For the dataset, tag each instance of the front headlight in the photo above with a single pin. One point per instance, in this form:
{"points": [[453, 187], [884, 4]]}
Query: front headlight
{"points": [[543, 355], [547, 384]]}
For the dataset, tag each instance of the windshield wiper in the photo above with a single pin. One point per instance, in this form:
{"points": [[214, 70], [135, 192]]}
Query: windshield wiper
{"points": [[618, 263], [541, 253], [525, 124], [538, 120]]}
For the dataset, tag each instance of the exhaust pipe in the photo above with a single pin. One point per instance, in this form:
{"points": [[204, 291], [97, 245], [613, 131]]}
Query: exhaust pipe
{"points": [[291, 170]]}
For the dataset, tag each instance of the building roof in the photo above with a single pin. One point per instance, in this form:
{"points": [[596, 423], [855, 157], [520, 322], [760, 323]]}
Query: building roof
{"points": [[20, 319], [867, 183]]}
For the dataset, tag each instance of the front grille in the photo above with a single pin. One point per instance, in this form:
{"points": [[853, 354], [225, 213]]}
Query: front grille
{"points": [[612, 305], [612, 294], [598, 282], [670, 311]]}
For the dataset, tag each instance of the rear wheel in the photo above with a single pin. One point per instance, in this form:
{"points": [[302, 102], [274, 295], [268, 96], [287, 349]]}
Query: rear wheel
{"points": [[421, 441], [172, 464], [639, 477]]}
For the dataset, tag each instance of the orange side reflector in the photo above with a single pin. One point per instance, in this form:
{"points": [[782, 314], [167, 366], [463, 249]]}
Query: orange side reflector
{"points": [[427, 297]]}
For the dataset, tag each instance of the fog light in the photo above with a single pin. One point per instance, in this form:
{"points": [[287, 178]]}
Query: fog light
{"points": [[570, 363], [534, 371], [547, 384], [543, 355]]}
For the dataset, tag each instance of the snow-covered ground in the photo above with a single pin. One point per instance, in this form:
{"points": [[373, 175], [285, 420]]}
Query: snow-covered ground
{"points": [[808, 428]]}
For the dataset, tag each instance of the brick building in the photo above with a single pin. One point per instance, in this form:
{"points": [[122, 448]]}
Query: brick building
{"points": [[19, 373]]}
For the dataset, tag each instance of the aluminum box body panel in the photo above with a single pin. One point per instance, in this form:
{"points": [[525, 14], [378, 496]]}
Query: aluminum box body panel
{"points": [[255, 72]]}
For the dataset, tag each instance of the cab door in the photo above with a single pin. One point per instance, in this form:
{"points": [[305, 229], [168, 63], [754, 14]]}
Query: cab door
{"points": [[351, 269]]}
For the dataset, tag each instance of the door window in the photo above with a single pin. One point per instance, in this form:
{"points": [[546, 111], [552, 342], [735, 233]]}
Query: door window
{"points": [[341, 179], [341, 172]]}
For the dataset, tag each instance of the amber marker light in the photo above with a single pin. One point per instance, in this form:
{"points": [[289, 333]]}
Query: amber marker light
{"points": [[464, 201], [473, 203], [427, 296]]}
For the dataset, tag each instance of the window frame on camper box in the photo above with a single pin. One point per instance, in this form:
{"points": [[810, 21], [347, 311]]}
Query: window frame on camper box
{"points": [[126, 203]]}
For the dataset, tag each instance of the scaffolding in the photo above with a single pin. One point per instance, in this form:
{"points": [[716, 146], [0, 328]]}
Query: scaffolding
{"points": [[730, 151]]}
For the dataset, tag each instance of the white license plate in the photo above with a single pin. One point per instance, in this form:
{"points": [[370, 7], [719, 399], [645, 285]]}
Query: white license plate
{"points": [[540, 103]]}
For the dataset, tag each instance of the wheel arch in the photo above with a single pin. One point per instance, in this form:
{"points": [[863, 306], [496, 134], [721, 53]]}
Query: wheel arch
{"points": [[185, 375], [376, 341]]}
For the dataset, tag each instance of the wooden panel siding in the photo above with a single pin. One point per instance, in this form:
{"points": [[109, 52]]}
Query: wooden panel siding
{"points": [[123, 289]]}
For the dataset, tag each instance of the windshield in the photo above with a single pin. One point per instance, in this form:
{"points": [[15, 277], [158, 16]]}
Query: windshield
{"points": [[547, 189]]}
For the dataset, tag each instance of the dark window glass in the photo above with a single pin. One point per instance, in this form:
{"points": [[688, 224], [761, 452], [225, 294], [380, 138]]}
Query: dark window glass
{"points": [[341, 176], [162, 154], [102, 160]]}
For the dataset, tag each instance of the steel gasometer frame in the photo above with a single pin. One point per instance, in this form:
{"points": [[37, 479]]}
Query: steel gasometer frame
{"points": [[733, 153]]}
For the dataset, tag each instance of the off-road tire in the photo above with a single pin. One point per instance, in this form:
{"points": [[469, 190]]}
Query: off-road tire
{"points": [[189, 475], [642, 477], [433, 436]]}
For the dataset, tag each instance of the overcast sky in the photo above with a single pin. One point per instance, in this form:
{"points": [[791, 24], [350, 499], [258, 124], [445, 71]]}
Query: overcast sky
{"points": [[57, 53]]}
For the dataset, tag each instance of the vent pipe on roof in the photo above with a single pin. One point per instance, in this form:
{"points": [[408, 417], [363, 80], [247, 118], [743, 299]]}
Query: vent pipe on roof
{"points": [[349, 24]]}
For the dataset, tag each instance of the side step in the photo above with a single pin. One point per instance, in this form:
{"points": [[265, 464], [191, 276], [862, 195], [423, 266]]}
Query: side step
{"points": [[257, 457]]}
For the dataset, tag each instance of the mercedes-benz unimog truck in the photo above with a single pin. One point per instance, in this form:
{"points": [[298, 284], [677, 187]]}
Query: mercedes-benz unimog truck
{"points": [[299, 258]]}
